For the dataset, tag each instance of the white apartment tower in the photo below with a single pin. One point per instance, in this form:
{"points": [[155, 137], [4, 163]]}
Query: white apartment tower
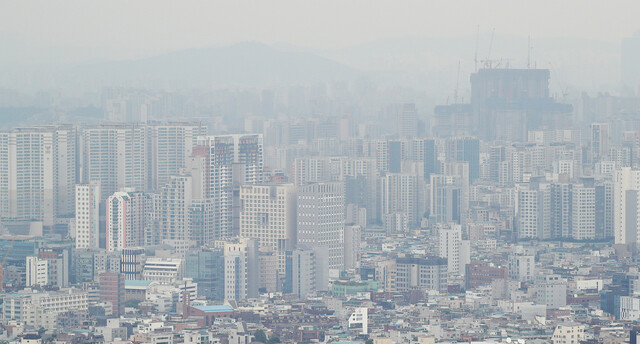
{"points": [[453, 248], [117, 156], [224, 156], [399, 194], [321, 220], [583, 217], [527, 213], [88, 215], [599, 141], [240, 269], [127, 216], [171, 145], [172, 211], [268, 214], [37, 172], [626, 199]]}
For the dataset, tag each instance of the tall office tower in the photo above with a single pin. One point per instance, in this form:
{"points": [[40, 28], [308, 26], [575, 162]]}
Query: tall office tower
{"points": [[426, 150], [127, 218], [268, 214], [399, 194], [407, 122], [599, 142], [465, 149], [172, 212], [201, 222], [37, 173], [224, 156], [131, 261], [240, 269], [447, 199], [171, 145], [583, 212], [300, 278], [626, 198], [206, 267], [321, 216], [117, 156], [453, 248], [88, 215], [604, 210]]}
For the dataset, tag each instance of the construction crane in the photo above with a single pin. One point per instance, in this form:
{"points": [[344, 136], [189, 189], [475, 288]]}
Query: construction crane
{"points": [[564, 90], [475, 57], [455, 91], [4, 260]]}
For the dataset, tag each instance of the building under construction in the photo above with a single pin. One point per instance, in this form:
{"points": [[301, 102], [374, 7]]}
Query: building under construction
{"points": [[505, 105]]}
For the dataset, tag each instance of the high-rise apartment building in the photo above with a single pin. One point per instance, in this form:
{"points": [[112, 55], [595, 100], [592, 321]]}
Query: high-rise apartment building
{"points": [[626, 198], [453, 248], [315, 170], [465, 149], [268, 214], [321, 217], [117, 156], [426, 150], [599, 141], [240, 269], [37, 173], [447, 199], [300, 278], [171, 144], [583, 212], [389, 155], [88, 215], [407, 121], [142, 156], [228, 158], [127, 219], [172, 211], [399, 194], [528, 218]]}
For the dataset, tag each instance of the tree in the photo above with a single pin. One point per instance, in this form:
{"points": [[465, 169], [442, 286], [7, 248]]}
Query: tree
{"points": [[274, 340], [260, 336]]}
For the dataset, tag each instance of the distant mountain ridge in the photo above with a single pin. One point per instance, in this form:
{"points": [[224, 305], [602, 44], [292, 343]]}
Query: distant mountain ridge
{"points": [[242, 64]]}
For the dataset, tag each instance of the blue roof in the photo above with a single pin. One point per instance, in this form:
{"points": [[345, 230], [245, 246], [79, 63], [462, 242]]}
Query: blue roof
{"points": [[136, 283], [214, 308]]}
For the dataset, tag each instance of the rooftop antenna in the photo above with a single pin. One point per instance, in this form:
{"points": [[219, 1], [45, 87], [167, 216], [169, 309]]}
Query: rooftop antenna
{"points": [[475, 58], [528, 52]]}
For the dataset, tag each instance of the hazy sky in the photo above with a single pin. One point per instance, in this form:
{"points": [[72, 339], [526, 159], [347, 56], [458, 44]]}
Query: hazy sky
{"points": [[141, 27]]}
